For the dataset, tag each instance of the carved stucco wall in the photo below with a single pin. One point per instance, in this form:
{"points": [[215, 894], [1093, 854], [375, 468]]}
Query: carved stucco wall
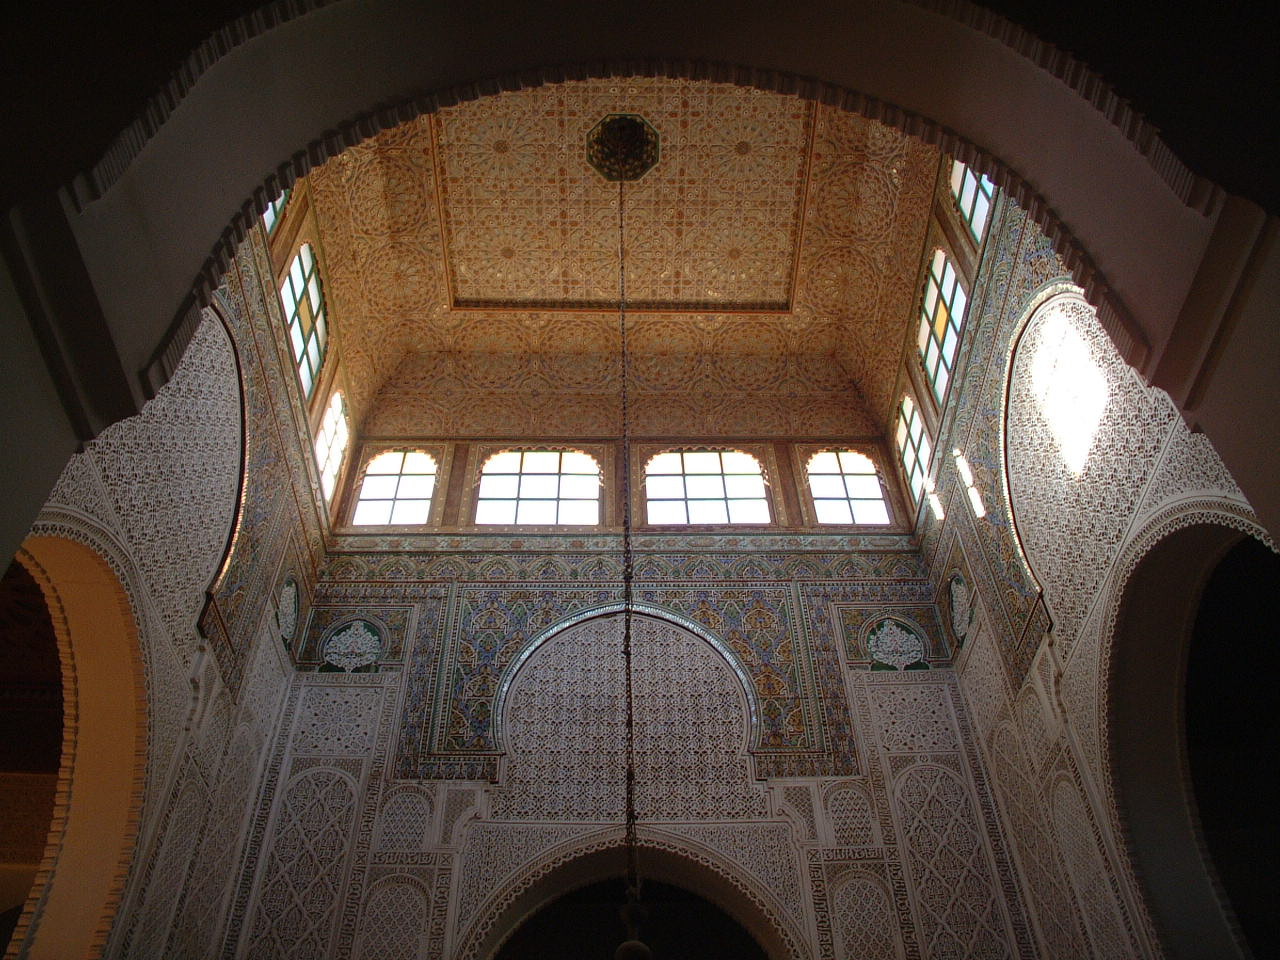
{"points": [[454, 851], [1043, 574], [901, 814], [155, 495], [159, 496]]}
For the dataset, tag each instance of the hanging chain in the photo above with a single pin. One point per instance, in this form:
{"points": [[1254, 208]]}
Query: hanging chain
{"points": [[628, 562]]}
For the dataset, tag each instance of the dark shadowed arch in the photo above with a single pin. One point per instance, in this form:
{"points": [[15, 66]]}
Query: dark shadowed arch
{"points": [[1151, 770]]}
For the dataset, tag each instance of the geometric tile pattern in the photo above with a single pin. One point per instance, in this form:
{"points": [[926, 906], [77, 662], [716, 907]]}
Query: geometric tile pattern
{"points": [[448, 727], [715, 225]]}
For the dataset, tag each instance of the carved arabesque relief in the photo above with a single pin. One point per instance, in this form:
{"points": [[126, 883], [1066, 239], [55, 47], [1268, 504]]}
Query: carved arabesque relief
{"points": [[564, 726]]}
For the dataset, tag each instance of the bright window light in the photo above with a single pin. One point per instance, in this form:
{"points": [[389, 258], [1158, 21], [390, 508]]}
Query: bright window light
{"points": [[705, 486], [303, 302], [935, 502], [549, 487], [331, 444], [271, 216], [966, 475], [846, 488], [973, 194], [914, 448], [396, 489], [942, 311], [1070, 388]]}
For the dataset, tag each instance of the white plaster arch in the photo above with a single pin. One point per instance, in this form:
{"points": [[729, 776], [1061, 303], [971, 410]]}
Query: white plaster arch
{"points": [[651, 611], [911, 65], [664, 856], [1153, 599]]}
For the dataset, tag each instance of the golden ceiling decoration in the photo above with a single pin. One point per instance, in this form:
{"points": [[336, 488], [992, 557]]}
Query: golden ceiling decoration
{"points": [[473, 289], [714, 226]]}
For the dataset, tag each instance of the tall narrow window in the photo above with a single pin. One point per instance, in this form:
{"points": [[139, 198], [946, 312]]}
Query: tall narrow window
{"points": [[396, 489], [271, 216], [539, 486], [331, 444], [304, 315], [973, 193], [913, 447], [705, 486], [846, 488], [941, 317]]}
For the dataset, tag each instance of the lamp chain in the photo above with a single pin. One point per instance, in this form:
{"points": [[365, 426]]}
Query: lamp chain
{"points": [[628, 562]]}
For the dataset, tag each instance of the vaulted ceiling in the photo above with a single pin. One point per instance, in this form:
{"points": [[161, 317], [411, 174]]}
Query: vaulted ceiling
{"points": [[771, 259]]}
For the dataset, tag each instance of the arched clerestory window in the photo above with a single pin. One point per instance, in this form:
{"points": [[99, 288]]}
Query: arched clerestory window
{"points": [[397, 488], [846, 488], [705, 486], [539, 487]]}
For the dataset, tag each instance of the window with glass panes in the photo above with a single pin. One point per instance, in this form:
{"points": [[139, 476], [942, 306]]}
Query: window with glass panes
{"points": [[539, 487], [397, 488], [941, 317], [304, 315], [271, 216], [913, 447], [331, 444], [846, 488], [973, 193], [705, 486]]}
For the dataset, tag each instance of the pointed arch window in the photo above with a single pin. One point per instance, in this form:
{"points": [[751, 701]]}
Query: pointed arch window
{"points": [[973, 194], [941, 318], [705, 486], [331, 444], [304, 315], [396, 489], [846, 488], [539, 487]]}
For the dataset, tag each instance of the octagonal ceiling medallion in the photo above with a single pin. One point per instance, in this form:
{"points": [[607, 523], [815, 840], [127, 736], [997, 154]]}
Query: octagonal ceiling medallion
{"points": [[622, 147]]}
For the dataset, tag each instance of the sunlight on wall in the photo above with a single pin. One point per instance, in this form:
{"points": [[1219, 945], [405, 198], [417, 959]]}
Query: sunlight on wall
{"points": [[1071, 390]]}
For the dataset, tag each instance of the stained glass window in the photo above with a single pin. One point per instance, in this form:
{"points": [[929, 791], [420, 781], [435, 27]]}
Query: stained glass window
{"points": [[973, 193], [941, 318], [846, 488], [539, 487], [705, 486], [396, 489], [304, 315]]}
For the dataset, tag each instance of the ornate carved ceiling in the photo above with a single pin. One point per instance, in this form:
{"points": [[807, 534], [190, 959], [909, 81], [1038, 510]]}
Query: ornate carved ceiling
{"points": [[471, 264]]}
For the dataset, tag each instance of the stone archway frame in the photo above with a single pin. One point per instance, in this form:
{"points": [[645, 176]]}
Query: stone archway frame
{"points": [[80, 883], [1056, 291], [600, 855], [638, 609], [950, 73], [1154, 598]]}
